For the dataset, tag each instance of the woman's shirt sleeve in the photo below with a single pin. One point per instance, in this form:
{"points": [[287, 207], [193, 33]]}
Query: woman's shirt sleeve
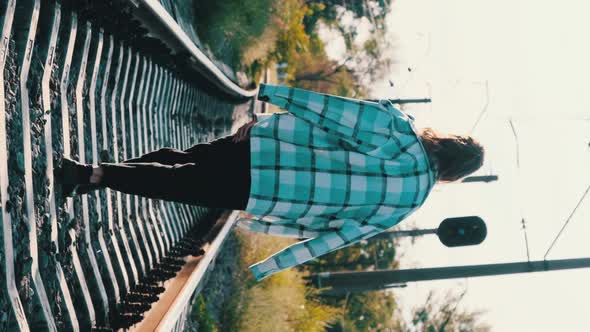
{"points": [[372, 128], [303, 251], [262, 116]]}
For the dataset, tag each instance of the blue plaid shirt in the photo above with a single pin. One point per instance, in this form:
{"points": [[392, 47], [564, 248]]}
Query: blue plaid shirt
{"points": [[332, 170]]}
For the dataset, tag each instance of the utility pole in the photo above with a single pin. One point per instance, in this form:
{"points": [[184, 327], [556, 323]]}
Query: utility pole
{"points": [[480, 178], [344, 280], [404, 101], [337, 292], [410, 101]]}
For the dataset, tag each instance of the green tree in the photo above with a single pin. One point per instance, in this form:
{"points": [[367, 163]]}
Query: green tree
{"points": [[318, 73], [442, 314], [371, 255], [371, 311], [374, 11], [229, 27], [367, 311], [310, 68]]}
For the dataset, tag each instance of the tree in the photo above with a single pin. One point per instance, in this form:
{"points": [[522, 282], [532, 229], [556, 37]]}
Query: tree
{"points": [[440, 315], [370, 311], [375, 11], [363, 256], [318, 73], [310, 68]]}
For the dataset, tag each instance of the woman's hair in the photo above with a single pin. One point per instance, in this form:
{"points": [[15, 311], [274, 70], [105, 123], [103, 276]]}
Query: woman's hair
{"points": [[454, 156]]}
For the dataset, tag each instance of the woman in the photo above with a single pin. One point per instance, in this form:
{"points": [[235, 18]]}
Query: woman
{"points": [[330, 169]]}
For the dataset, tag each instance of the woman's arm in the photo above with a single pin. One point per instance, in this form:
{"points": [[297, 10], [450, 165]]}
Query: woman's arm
{"points": [[243, 132]]}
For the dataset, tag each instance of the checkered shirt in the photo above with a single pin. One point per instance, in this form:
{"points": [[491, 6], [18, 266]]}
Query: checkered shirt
{"points": [[332, 170]]}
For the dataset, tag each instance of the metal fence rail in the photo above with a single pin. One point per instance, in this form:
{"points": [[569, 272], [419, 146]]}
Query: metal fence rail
{"points": [[70, 87]]}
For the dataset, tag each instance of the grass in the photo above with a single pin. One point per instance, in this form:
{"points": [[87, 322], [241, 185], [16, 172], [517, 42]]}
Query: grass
{"points": [[202, 316], [281, 302]]}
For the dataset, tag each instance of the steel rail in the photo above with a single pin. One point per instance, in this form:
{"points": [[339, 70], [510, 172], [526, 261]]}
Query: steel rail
{"points": [[150, 10], [174, 319]]}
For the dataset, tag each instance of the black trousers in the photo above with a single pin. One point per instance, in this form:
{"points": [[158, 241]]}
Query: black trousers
{"points": [[214, 174]]}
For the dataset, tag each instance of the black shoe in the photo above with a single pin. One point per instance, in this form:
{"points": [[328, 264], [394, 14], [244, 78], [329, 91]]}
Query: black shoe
{"points": [[71, 174]]}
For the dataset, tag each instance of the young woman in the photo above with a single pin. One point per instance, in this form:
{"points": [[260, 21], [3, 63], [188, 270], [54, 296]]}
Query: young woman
{"points": [[330, 169]]}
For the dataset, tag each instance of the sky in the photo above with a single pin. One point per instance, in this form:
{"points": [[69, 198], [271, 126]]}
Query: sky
{"points": [[528, 61]]}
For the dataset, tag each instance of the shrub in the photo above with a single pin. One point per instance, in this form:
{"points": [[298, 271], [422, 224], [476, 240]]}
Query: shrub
{"points": [[281, 302]]}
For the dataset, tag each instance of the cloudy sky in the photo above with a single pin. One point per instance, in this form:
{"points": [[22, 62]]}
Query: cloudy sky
{"points": [[528, 62]]}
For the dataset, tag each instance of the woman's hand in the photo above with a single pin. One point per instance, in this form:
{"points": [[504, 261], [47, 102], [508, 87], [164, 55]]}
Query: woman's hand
{"points": [[243, 132]]}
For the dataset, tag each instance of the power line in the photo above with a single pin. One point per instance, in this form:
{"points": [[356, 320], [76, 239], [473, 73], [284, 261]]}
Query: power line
{"points": [[522, 220], [566, 222], [526, 239], [516, 141], [483, 110]]}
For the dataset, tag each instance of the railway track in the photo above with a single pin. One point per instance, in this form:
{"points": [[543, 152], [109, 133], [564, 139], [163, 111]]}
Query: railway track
{"points": [[82, 82]]}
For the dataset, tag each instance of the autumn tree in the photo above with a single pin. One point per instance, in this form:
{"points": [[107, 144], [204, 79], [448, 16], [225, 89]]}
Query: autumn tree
{"points": [[363, 311], [374, 11], [363, 256], [370, 311], [318, 73], [443, 314], [309, 66]]}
